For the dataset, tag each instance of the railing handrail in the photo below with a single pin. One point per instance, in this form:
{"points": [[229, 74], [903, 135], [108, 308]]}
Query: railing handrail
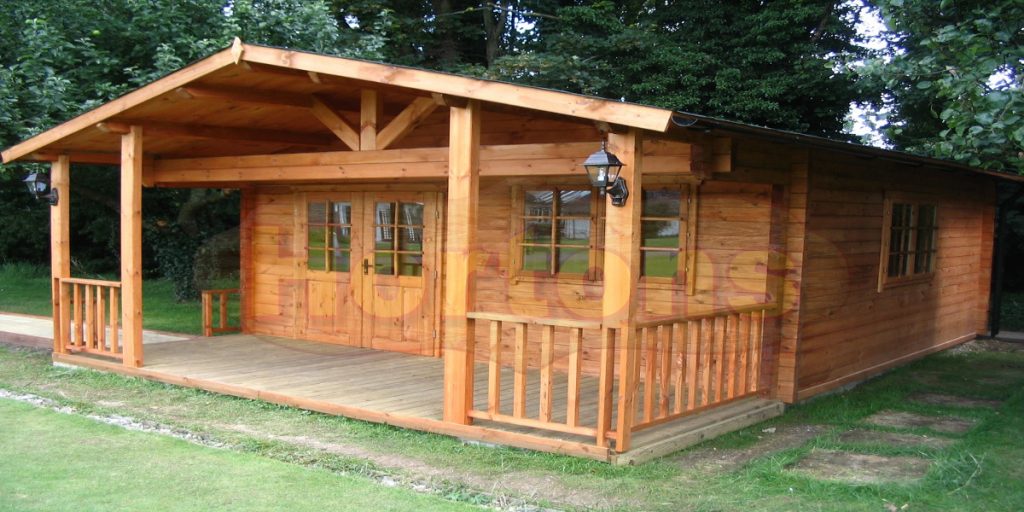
{"points": [[90, 282], [531, 320], [729, 310], [221, 290]]}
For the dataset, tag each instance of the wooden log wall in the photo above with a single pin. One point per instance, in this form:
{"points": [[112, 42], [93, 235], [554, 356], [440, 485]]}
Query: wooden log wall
{"points": [[850, 330]]}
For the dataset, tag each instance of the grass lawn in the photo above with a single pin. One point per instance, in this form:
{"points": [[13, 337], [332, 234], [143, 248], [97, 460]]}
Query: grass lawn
{"points": [[980, 470], [54, 462], [26, 289]]}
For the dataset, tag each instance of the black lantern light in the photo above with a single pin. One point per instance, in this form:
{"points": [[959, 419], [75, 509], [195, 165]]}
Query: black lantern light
{"points": [[38, 184], [603, 170]]}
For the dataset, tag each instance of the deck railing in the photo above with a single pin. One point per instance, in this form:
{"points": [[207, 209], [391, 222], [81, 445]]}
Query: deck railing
{"points": [[222, 295], [550, 414], [691, 363], [90, 314]]}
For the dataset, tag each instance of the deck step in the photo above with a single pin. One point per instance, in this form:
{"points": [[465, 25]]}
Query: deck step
{"points": [[676, 435]]}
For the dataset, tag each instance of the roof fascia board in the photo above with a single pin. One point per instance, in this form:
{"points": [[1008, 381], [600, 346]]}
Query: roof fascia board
{"points": [[575, 105], [116, 106]]}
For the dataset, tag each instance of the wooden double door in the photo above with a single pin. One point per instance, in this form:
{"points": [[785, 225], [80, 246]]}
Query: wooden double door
{"points": [[368, 273]]}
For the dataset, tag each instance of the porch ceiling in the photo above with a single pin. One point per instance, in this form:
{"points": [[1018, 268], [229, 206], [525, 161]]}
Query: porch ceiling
{"points": [[251, 99]]}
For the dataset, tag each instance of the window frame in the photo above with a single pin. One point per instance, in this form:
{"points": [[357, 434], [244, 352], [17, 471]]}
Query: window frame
{"points": [[595, 246], [910, 274], [685, 277]]}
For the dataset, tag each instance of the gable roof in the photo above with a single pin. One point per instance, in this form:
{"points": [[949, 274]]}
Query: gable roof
{"points": [[434, 82]]}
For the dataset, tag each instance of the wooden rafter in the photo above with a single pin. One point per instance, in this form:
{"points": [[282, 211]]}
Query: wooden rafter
{"points": [[335, 123], [196, 131], [406, 121]]}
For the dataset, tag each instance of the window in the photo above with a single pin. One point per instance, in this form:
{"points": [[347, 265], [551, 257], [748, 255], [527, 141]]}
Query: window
{"points": [[666, 229], [909, 249], [329, 236], [398, 239], [559, 230]]}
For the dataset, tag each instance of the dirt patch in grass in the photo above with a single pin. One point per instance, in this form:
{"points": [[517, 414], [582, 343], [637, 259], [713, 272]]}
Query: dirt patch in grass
{"points": [[725, 460], [859, 468], [900, 419], [865, 436], [953, 400], [528, 486]]}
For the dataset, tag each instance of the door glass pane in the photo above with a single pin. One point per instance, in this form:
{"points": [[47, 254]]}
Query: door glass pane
{"points": [[659, 263], [341, 213], [574, 203], [537, 203], [316, 236], [384, 263], [574, 232], [661, 203], [384, 214], [659, 233], [410, 239], [317, 213], [573, 261], [410, 264], [341, 238], [537, 259], [340, 261], [317, 259], [384, 237], [412, 214]]}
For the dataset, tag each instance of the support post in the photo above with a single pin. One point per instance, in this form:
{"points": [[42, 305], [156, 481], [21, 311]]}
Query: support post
{"points": [[60, 245], [131, 246], [369, 119], [621, 274], [460, 240]]}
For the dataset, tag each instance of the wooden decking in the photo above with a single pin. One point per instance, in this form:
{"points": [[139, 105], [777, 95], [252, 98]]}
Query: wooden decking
{"points": [[396, 389]]}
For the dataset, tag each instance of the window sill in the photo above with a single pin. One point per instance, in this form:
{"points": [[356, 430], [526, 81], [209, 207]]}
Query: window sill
{"points": [[897, 282]]}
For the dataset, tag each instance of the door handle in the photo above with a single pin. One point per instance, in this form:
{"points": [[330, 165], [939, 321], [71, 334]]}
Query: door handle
{"points": [[366, 266]]}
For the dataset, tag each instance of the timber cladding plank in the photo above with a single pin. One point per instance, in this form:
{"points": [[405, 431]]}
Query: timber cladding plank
{"points": [[849, 329]]}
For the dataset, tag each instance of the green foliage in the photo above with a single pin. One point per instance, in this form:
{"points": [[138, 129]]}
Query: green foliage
{"points": [[953, 79]]}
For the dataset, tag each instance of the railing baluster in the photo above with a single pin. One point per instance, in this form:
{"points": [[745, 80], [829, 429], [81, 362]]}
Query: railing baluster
{"points": [[731, 330], [494, 369], [743, 335], [519, 380], [572, 413], [708, 342], [101, 319], [79, 338], [605, 404], [665, 375], [65, 315], [115, 319], [693, 360], [223, 310], [720, 340], [649, 338], [681, 336], [755, 357], [547, 365]]}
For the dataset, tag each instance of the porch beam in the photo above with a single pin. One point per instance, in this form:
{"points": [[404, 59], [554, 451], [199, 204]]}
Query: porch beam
{"points": [[334, 122], [406, 121], [131, 246], [199, 131], [460, 240], [621, 274], [83, 157], [60, 243], [370, 116]]}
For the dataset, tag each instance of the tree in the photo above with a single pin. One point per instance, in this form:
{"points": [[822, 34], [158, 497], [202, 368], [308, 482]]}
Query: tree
{"points": [[952, 78]]}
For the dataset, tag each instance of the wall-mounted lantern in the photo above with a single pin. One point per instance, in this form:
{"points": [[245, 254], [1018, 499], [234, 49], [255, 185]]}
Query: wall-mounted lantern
{"points": [[603, 170], [38, 184]]}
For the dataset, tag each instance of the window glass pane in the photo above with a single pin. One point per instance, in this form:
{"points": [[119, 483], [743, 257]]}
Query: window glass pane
{"points": [[412, 214], [340, 261], [574, 232], [410, 239], [659, 233], [410, 264], [537, 203], [384, 214], [341, 213], [661, 203], [316, 260], [537, 231], [316, 213], [573, 261], [659, 263], [574, 203], [893, 269], [384, 263], [316, 236], [926, 216], [341, 238], [537, 259]]}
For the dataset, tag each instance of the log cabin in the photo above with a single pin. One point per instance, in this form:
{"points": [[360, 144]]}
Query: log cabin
{"points": [[426, 250]]}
